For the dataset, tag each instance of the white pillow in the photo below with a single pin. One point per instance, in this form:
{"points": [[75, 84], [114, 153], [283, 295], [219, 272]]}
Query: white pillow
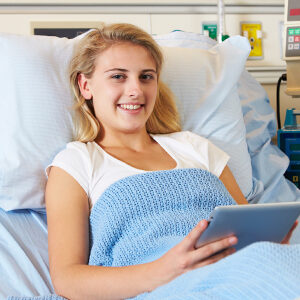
{"points": [[35, 120], [184, 39], [205, 84], [35, 107]]}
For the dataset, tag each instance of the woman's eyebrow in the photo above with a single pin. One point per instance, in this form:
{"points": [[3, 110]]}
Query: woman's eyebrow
{"points": [[125, 70], [116, 69], [149, 70]]}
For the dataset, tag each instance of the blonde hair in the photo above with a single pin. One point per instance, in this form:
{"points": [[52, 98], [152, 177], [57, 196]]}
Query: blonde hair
{"points": [[164, 118]]}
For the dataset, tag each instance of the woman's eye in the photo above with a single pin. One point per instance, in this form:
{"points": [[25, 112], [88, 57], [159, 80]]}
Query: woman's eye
{"points": [[118, 76], [147, 76]]}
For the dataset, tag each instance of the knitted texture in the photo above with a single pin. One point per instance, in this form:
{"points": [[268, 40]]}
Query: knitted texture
{"points": [[140, 217]]}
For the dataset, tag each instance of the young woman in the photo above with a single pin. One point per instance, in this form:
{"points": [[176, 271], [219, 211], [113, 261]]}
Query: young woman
{"points": [[126, 124]]}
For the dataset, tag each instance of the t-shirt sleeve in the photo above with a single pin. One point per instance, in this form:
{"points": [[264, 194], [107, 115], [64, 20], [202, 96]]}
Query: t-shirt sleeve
{"points": [[74, 159], [216, 159]]}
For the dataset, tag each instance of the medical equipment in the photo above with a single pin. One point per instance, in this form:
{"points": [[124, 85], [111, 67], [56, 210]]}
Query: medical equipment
{"points": [[217, 30], [289, 135], [210, 29], [289, 142], [292, 46], [253, 32], [221, 36], [221, 20]]}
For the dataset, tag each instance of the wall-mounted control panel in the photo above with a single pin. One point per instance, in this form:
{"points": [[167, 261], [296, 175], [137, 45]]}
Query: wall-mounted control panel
{"points": [[292, 30], [293, 41]]}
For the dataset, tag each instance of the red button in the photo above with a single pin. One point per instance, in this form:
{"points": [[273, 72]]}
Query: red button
{"points": [[297, 39]]}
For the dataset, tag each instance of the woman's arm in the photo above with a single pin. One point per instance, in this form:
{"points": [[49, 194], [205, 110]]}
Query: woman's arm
{"points": [[231, 185], [68, 229], [68, 238]]}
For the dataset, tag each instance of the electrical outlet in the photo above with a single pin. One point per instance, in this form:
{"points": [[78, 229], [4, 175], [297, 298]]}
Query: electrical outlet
{"points": [[253, 31]]}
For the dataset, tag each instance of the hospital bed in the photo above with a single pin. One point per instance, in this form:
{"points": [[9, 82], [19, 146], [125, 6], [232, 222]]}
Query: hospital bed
{"points": [[216, 98]]}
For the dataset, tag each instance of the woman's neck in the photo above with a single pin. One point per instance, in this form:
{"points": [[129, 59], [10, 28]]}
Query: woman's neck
{"points": [[135, 141]]}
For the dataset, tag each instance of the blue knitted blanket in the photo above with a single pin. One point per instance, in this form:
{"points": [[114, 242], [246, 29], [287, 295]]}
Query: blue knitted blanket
{"points": [[139, 218]]}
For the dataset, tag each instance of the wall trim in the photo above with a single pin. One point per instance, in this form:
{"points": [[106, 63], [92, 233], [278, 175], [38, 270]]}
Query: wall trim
{"points": [[267, 75], [104, 8]]}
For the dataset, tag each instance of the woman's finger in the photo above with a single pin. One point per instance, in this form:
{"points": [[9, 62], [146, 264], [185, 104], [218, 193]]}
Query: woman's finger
{"points": [[208, 251], [190, 240], [215, 258], [211, 249], [287, 238]]}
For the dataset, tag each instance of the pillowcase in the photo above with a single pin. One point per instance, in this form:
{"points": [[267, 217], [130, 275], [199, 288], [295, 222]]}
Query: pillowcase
{"points": [[35, 115], [36, 102], [204, 82], [184, 39]]}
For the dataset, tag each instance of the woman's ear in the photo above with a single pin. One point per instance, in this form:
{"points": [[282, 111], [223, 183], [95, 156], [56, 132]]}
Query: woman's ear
{"points": [[84, 87]]}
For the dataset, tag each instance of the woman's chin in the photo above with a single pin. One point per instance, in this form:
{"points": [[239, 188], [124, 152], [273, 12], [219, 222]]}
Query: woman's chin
{"points": [[134, 130]]}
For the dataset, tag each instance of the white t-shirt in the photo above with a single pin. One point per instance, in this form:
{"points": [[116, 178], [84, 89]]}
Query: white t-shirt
{"points": [[95, 170]]}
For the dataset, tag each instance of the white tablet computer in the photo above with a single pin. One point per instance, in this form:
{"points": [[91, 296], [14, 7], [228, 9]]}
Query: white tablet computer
{"points": [[251, 223]]}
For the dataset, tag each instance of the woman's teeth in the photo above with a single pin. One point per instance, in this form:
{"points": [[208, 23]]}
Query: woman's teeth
{"points": [[130, 106]]}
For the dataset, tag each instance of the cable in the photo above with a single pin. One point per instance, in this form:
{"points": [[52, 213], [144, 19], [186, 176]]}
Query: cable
{"points": [[284, 78]]}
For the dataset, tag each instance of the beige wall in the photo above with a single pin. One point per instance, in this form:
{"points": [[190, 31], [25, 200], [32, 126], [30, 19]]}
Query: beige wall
{"points": [[286, 101]]}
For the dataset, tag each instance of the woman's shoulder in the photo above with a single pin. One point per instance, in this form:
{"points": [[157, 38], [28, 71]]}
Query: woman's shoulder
{"points": [[80, 147], [78, 151], [71, 149], [186, 136], [77, 145], [77, 158]]}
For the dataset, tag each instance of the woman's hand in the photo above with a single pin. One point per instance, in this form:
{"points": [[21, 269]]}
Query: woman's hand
{"points": [[185, 257], [287, 238]]}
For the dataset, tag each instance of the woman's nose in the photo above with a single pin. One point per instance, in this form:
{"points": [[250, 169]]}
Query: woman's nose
{"points": [[134, 89]]}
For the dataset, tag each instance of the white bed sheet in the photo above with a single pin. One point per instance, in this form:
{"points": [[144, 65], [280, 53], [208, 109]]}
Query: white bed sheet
{"points": [[24, 254]]}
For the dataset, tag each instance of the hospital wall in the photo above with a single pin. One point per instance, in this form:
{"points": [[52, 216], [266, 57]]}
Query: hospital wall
{"points": [[20, 17]]}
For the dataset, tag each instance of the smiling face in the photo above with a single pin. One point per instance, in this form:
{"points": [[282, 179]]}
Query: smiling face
{"points": [[123, 88]]}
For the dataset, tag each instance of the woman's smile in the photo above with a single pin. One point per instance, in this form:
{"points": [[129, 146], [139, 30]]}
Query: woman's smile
{"points": [[131, 108]]}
